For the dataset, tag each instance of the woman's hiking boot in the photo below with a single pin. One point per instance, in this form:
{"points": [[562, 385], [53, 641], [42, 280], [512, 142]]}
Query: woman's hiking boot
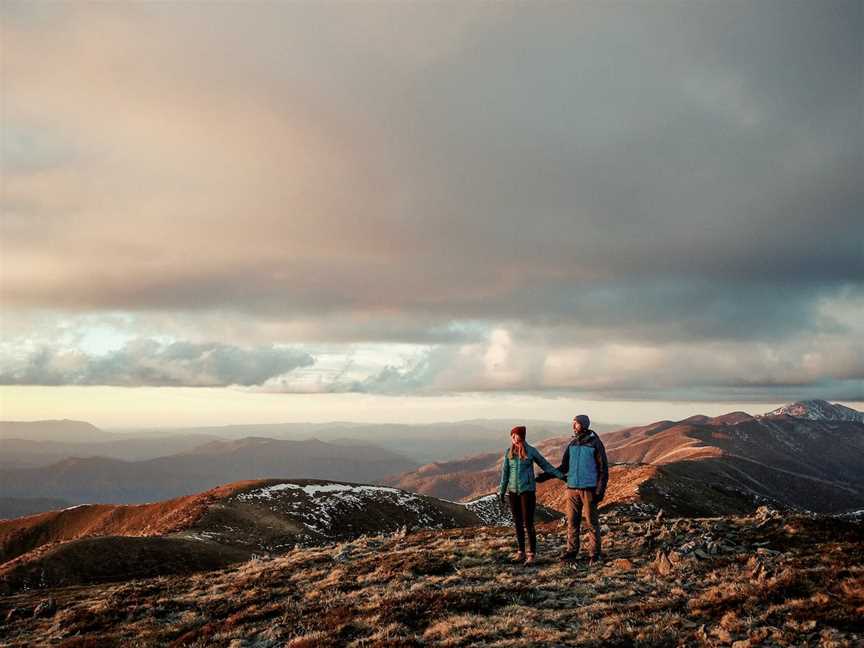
{"points": [[529, 559], [519, 557]]}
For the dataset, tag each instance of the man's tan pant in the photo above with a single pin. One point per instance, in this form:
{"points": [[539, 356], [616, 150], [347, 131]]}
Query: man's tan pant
{"points": [[581, 504]]}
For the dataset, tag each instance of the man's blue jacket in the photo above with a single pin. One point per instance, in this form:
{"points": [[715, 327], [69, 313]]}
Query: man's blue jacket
{"points": [[584, 462]]}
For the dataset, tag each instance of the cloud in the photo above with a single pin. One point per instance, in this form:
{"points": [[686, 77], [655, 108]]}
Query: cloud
{"points": [[517, 361], [479, 174], [500, 186], [149, 362]]}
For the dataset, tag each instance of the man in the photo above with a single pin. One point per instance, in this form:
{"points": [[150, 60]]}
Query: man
{"points": [[584, 463]]}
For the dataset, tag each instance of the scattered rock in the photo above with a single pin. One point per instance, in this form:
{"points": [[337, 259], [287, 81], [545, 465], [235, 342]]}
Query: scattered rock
{"points": [[730, 621], [687, 547], [758, 571], [767, 516], [46, 608], [761, 634], [622, 564], [662, 564], [722, 634]]}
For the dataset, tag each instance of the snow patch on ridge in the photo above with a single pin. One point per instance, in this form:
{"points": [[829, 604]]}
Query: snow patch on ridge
{"points": [[321, 507], [489, 510], [818, 410], [313, 489]]}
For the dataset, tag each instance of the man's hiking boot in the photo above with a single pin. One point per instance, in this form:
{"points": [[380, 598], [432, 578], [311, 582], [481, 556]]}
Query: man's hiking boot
{"points": [[529, 559], [570, 556]]}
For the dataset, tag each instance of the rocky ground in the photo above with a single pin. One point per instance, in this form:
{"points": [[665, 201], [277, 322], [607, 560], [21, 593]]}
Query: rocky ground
{"points": [[763, 580]]}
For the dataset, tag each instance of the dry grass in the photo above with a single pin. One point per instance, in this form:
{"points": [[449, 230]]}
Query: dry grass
{"points": [[802, 586]]}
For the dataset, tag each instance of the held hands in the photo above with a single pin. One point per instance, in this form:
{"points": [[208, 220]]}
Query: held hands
{"points": [[542, 477]]}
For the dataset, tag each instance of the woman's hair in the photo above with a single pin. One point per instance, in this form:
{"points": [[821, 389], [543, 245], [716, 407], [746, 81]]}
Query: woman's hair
{"points": [[518, 449]]}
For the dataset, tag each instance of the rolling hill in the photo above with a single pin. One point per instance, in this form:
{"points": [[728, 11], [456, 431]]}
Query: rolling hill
{"points": [[230, 523]]}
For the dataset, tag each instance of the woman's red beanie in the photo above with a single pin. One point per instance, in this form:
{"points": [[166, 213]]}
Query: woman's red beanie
{"points": [[519, 431]]}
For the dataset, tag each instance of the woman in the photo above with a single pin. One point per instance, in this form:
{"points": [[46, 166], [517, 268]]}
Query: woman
{"points": [[517, 481]]}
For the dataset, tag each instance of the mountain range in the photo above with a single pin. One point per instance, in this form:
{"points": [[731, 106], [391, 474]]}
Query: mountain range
{"points": [[422, 442], [807, 455], [84, 480], [41, 443], [73, 462]]}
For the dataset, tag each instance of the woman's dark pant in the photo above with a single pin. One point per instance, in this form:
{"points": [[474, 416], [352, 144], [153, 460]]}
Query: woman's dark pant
{"points": [[522, 507]]}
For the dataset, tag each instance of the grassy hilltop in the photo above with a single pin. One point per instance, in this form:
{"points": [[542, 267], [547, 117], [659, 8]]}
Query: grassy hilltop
{"points": [[762, 580]]}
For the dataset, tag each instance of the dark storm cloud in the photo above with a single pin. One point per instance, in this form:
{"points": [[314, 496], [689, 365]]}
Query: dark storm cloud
{"points": [[580, 173]]}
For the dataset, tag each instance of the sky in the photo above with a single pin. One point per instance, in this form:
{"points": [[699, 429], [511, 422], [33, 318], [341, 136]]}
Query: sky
{"points": [[248, 212]]}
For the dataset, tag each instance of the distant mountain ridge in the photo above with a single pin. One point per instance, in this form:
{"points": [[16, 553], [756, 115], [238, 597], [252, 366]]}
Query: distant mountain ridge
{"points": [[420, 441], [819, 410], [28, 453], [698, 466], [41, 443], [53, 430], [84, 480], [13, 507]]}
